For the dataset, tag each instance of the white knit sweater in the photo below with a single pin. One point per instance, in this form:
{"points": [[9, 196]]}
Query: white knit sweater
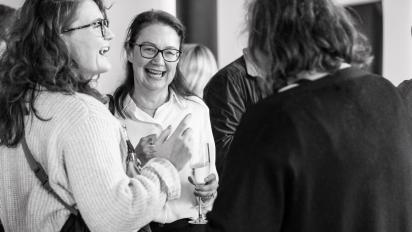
{"points": [[82, 149]]}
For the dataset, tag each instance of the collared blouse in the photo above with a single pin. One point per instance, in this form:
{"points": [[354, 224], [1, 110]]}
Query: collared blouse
{"points": [[139, 124]]}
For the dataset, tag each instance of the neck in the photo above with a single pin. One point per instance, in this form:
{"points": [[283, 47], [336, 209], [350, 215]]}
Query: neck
{"points": [[314, 75], [149, 101]]}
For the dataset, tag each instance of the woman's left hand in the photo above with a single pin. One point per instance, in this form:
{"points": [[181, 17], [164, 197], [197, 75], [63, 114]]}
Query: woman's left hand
{"points": [[208, 190]]}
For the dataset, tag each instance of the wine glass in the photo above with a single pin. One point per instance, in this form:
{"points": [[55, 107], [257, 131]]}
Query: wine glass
{"points": [[200, 169]]}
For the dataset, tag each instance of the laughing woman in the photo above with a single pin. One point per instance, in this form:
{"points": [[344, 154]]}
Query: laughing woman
{"points": [[48, 109], [153, 97]]}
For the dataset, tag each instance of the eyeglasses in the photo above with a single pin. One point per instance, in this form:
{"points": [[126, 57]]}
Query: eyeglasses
{"points": [[102, 23], [149, 52]]}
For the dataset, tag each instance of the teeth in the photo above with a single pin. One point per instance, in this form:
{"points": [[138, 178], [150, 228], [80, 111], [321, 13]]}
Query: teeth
{"points": [[104, 50], [154, 72]]}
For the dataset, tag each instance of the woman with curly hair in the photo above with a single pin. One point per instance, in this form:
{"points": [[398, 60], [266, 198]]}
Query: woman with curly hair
{"points": [[53, 122]]}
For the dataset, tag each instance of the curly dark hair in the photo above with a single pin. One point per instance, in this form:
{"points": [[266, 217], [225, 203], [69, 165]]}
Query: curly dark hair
{"points": [[140, 22], [37, 59], [304, 35]]}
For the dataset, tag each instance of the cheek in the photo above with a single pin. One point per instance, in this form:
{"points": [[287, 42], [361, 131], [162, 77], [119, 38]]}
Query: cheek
{"points": [[171, 67], [138, 66], [84, 53]]}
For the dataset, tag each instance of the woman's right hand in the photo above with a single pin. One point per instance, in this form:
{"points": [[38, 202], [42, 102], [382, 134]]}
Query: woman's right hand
{"points": [[176, 148], [145, 150]]}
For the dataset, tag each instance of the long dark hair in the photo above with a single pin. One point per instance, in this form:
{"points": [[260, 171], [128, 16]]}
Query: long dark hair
{"points": [[304, 35], [37, 58], [140, 22]]}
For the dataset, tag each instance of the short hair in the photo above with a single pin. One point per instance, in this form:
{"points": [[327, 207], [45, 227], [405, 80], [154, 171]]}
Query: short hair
{"points": [[36, 55], [7, 17], [198, 65], [140, 22], [304, 35]]}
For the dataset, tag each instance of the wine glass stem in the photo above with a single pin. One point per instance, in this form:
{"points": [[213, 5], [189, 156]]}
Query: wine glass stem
{"points": [[200, 207]]}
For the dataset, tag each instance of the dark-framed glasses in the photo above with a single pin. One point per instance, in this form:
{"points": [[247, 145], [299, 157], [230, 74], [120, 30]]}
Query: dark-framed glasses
{"points": [[149, 52], [102, 23]]}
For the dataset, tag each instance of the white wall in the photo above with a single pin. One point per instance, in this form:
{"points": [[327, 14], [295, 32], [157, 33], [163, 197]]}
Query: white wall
{"points": [[120, 15], [230, 25], [12, 3], [397, 41]]}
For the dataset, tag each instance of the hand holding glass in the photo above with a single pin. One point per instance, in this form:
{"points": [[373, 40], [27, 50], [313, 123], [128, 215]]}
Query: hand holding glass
{"points": [[200, 170]]}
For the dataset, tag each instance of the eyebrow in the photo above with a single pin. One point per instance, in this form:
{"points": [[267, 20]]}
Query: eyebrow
{"points": [[154, 45]]}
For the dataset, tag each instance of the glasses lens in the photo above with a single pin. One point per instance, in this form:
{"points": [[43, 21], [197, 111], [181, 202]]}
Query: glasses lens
{"points": [[148, 51], [171, 55]]}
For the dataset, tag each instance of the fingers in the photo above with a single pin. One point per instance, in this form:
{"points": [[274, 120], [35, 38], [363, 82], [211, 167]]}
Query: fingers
{"points": [[187, 136], [211, 177], [164, 134], [182, 127], [207, 190], [209, 186], [151, 139], [191, 180]]}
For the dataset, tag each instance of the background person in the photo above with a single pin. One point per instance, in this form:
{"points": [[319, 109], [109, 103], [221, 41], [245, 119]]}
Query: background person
{"points": [[197, 64], [228, 94], [54, 51], [330, 151], [152, 98]]}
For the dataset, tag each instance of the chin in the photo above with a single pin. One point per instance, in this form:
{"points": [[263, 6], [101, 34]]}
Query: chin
{"points": [[105, 68]]}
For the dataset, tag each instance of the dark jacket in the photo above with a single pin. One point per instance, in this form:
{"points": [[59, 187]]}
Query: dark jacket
{"points": [[405, 89], [228, 94], [331, 155]]}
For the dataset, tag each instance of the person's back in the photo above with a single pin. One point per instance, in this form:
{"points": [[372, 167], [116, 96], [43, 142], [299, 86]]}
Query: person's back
{"points": [[332, 155], [330, 151]]}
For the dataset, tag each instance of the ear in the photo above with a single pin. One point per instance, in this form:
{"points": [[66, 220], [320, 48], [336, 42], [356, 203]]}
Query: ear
{"points": [[130, 54]]}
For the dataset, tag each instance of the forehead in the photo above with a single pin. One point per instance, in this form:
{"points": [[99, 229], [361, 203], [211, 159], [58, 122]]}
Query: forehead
{"points": [[86, 12], [159, 34]]}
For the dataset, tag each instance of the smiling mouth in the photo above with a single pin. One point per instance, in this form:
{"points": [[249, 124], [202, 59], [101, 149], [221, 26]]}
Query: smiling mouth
{"points": [[104, 50], [155, 73]]}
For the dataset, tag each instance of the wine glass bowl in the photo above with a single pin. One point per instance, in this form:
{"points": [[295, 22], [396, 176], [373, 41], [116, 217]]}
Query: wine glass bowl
{"points": [[200, 169]]}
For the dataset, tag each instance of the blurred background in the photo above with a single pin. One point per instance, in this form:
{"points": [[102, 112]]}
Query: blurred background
{"points": [[220, 25]]}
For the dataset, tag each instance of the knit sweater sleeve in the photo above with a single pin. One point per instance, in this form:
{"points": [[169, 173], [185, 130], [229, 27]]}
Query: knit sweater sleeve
{"points": [[106, 197]]}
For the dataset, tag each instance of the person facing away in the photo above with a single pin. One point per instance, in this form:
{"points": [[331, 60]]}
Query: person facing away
{"points": [[228, 94], [153, 98], [198, 65], [7, 17], [55, 50], [328, 152]]}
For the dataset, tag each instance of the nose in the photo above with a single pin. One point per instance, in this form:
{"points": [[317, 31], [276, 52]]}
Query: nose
{"points": [[158, 59], [108, 34]]}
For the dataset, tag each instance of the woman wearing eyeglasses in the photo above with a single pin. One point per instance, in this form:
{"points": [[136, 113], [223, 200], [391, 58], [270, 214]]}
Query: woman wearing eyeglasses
{"points": [[154, 96]]}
